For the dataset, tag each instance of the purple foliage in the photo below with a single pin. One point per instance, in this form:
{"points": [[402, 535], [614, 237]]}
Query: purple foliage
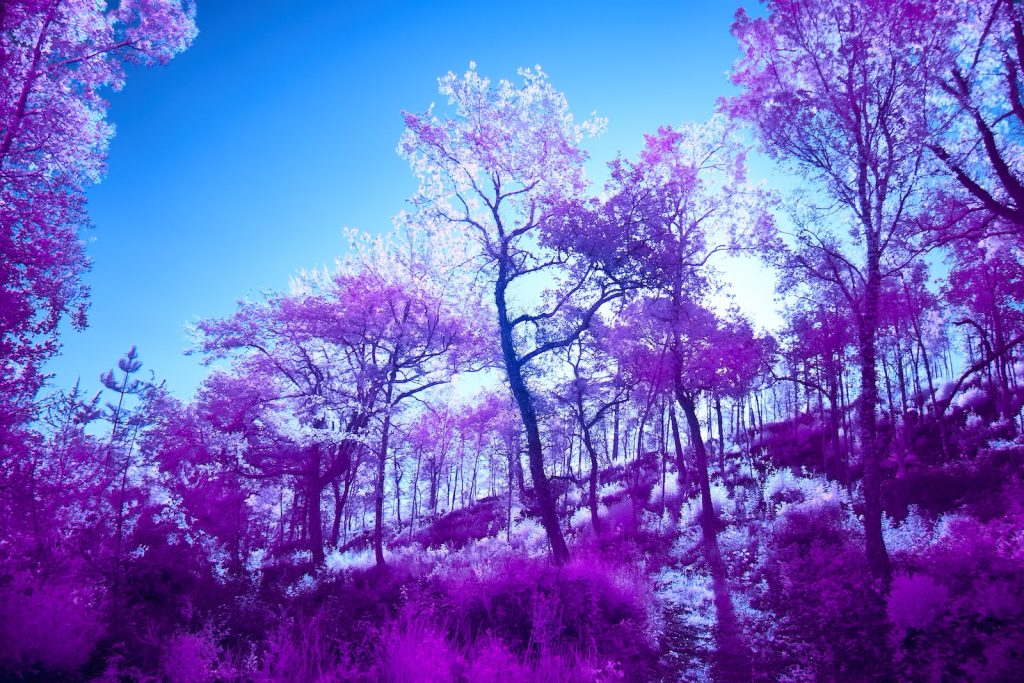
{"points": [[648, 488]]}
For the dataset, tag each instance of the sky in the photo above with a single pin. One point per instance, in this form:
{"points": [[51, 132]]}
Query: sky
{"points": [[240, 162]]}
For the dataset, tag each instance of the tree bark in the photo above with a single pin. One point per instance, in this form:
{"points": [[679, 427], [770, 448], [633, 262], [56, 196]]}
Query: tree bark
{"points": [[527, 410], [732, 656], [382, 461], [877, 557], [314, 519], [592, 484], [686, 402]]}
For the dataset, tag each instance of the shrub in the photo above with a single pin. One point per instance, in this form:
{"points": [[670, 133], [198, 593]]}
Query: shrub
{"points": [[47, 628], [588, 611], [191, 658], [827, 617], [414, 651], [303, 649], [961, 615], [457, 528]]}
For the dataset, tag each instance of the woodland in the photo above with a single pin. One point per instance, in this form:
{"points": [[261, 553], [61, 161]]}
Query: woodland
{"points": [[518, 437]]}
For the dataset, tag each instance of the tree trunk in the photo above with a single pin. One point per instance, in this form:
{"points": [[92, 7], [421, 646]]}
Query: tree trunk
{"points": [[313, 516], [592, 484], [721, 439], [682, 471], [732, 656], [878, 558], [336, 523], [517, 463], [435, 484], [615, 433], [686, 402], [382, 460], [527, 410], [929, 375], [398, 493], [415, 493]]}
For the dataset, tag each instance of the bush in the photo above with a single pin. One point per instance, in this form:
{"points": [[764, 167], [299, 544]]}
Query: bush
{"points": [[303, 649], [47, 628], [960, 614], [413, 651], [828, 621], [191, 658], [585, 612], [457, 528]]}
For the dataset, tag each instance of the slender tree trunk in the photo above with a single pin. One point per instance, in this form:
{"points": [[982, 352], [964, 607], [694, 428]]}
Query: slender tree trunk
{"points": [[888, 387], [313, 515], [592, 484], [615, 433], [517, 462], [454, 486], [901, 376], [527, 410], [919, 338], [382, 460], [835, 426], [398, 493], [844, 394], [878, 558], [435, 476], [732, 657], [512, 453], [472, 481], [721, 440], [682, 471], [336, 523], [415, 493]]}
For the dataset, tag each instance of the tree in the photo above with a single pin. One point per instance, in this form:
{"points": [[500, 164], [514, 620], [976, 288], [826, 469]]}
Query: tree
{"points": [[208, 492], [837, 90], [986, 286], [299, 404], [683, 201], [595, 388], [121, 444], [980, 115], [507, 168], [819, 336], [323, 367], [57, 59], [686, 199]]}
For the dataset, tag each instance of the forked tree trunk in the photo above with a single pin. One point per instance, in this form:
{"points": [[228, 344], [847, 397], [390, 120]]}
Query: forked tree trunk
{"points": [[528, 412]]}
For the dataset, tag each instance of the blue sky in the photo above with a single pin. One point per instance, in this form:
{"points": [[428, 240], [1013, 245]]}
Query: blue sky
{"points": [[241, 161]]}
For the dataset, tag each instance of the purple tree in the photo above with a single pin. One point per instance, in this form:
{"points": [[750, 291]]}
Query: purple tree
{"points": [[596, 387], [684, 200], [57, 58], [979, 105], [837, 90], [323, 368], [507, 168]]}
